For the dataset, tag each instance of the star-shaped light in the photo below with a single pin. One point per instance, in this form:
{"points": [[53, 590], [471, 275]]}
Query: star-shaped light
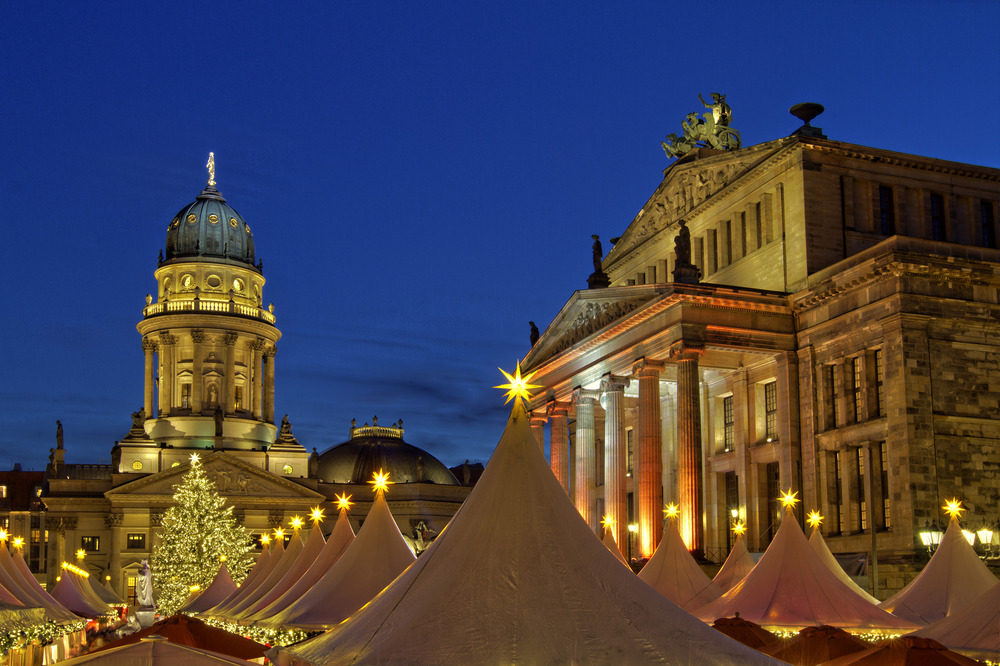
{"points": [[222, 558], [671, 510], [296, 522], [517, 386], [607, 522], [953, 508], [279, 534], [813, 519], [81, 553], [788, 499], [739, 528], [265, 539], [18, 542], [344, 501], [380, 481], [4, 535], [195, 459], [316, 515]]}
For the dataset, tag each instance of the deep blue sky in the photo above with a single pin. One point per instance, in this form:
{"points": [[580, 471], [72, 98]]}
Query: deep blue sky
{"points": [[422, 178]]}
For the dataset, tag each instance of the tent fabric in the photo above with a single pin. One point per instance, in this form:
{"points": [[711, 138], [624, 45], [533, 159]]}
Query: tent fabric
{"points": [[183, 630], [749, 633], [77, 595], [155, 651], [115, 598], [301, 564], [18, 580], [291, 554], [517, 576], [340, 538], [815, 645], [269, 559], [792, 587], [973, 628], [736, 567], [904, 651], [953, 579], [672, 572], [373, 560], [221, 587], [821, 549], [104, 593], [609, 541]]}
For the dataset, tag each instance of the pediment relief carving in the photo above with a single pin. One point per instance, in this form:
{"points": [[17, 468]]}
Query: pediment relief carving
{"points": [[589, 317]]}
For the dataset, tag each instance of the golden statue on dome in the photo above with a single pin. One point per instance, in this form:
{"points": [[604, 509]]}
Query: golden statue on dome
{"points": [[211, 169]]}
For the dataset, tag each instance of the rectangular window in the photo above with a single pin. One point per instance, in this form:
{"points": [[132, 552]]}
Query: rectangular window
{"points": [[36, 536], [185, 396], [91, 544], [854, 366], [879, 383], [773, 475], [859, 464], [886, 214], [987, 226], [830, 380], [742, 241], [629, 449], [938, 231], [771, 411], [726, 244], [135, 541], [238, 399], [838, 494], [883, 456], [130, 590], [759, 222], [728, 423], [3, 492]]}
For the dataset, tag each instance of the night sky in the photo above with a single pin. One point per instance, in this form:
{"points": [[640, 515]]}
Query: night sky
{"points": [[422, 178]]}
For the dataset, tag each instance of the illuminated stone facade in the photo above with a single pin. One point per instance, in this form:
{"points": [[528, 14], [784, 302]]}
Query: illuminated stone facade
{"points": [[847, 307]]}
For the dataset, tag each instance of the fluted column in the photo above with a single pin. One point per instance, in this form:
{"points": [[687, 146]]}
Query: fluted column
{"points": [[197, 338], [585, 465], [148, 348], [650, 441], [615, 453], [228, 400], [167, 374], [258, 378], [537, 419], [559, 441], [689, 464], [269, 354], [114, 522]]}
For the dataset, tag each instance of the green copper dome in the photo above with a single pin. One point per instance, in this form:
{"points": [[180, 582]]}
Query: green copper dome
{"points": [[208, 229]]}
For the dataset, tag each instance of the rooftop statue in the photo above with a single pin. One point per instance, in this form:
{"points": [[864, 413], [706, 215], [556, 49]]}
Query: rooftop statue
{"points": [[710, 130]]}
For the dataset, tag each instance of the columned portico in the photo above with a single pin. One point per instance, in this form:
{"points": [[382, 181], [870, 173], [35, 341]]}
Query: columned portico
{"points": [[615, 492], [559, 441], [585, 470], [650, 467], [690, 474]]}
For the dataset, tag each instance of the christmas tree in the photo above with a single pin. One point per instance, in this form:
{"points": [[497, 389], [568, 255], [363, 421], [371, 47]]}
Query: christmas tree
{"points": [[198, 533]]}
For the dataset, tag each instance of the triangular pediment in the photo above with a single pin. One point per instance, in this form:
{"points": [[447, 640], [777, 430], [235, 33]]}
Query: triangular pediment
{"points": [[234, 478], [689, 187], [586, 313]]}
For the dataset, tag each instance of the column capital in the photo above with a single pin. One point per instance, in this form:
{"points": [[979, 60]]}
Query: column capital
{"points": [[166, 338], [610, 382], [685, 351], [114, 519], [647, 366], [148, 344], [257, 344], [581, 394], [555, 408], [270, 351], [229, 338], [538, 417], [197, 335]]}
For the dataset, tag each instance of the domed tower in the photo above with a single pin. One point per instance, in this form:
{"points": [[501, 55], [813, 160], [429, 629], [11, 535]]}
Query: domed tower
{"points": [[209, 346]]}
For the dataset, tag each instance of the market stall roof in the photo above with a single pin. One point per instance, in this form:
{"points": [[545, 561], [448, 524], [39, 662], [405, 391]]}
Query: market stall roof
{"points": [[155, 650], [314, 546], [975, 628], [19, 581], [736, 567], [518, 576], [822, 550], [672, 572], [221, 587], [75, 593], [268, 560]]}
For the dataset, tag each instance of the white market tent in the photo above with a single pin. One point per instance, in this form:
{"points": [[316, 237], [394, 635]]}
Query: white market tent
{"points": [[975, 628], [156, 650], [292, 552], [953, 579], [269, 558], [736, 567], [314, 546], [75, 593], [609, 541], [672, 572], [104, 592], [824, 553], [340, 538], [372, 561], [221, 587], [792, 587], [517, 576], [18, 580]]}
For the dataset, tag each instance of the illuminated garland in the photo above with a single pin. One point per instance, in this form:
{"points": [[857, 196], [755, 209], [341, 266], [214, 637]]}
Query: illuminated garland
{"points": [[43, 633], [263, 635]]}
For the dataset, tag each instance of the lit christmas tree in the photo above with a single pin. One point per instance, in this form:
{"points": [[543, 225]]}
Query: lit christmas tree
{"points": [[197, 535]]}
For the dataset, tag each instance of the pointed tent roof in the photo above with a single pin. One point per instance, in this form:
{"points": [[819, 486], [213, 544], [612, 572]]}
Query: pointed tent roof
{"points": [[672, 572], [117, 600], [104, 593], [822, 550], [77, 595], [792, 587], [953, 579], [609, 541], [736, 567], [21, 584], [288, 558], [901, 651], [373, 560], [340, 538], [221, 587], [975, 628], [269, 559], [306, 558], [518, 576]]}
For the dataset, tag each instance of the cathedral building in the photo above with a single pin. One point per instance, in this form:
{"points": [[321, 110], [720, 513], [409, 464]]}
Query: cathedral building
{"points": [[801, 314], [209, 347]]}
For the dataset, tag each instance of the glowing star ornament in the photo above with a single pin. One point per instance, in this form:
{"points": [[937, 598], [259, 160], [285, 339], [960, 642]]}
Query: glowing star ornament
{"points": [[195, 459], [813, 519], [607, 522], [81, 553], [18, 542], [4, 535], [788, 499], [279, 534], [517, 387], [316, 515], [296, 522], [265, 539], [344, 501], [953, 508], [222, 558], [672, 511], [380, 481], [739, 528]]}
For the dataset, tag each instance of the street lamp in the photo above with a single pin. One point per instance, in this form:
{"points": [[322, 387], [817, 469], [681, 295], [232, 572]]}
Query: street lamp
{"points": [[930, 536]]}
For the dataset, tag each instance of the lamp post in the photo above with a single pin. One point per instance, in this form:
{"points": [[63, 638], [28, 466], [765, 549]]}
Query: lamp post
{"points": [[930, 536]]}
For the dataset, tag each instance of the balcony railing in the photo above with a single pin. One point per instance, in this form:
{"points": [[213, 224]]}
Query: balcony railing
{"points": [[204, 305]]}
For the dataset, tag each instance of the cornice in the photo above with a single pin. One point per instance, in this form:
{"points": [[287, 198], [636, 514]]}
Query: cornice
{"points": [[876, 156]]}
